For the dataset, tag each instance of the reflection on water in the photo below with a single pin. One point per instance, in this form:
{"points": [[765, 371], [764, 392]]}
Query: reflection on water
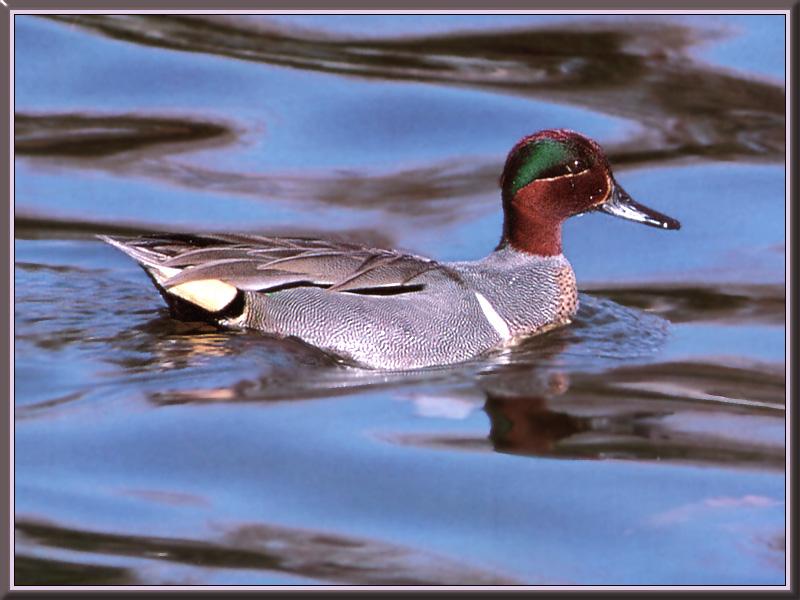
{"points": [[720, 303], [84, 136], [37, 571], [317, 555], [641, 71], [700, 413], [637, 445], [687, 109]]}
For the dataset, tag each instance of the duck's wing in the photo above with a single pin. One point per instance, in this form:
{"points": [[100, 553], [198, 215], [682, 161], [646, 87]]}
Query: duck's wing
{"points": [[260, 263]]}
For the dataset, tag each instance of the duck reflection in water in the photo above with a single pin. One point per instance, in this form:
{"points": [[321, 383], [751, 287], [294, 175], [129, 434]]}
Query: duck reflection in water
{"points": [[675, 412], [527, 425]]}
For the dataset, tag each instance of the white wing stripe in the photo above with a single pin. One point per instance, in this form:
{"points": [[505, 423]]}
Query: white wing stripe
{"points": [[495, 320]]}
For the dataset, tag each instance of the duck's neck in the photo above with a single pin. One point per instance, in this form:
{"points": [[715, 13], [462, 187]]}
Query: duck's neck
{"points": [[531, 231]]}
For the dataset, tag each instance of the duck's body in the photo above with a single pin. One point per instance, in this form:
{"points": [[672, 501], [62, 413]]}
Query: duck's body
{"points": [[387, 309], [379, 308]]}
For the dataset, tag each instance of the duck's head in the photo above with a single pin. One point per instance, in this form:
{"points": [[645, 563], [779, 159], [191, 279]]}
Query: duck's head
{"points": [[556, 174]]}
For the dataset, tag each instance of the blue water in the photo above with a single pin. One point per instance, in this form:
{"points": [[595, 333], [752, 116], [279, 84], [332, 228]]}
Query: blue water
{"points": [[643, 444]]}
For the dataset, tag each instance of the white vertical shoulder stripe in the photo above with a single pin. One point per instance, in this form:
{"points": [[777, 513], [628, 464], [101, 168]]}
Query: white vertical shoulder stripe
{"points": [[495, 320]]}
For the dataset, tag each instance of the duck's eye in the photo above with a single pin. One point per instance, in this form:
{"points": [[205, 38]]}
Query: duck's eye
{"points": [[576, 166]]}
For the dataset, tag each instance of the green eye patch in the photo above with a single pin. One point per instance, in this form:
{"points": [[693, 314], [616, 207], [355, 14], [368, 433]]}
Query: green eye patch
{"points": [[541, 159]]}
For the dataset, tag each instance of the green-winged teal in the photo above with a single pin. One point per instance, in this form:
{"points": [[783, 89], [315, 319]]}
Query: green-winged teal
{"points": [[392, 310]]}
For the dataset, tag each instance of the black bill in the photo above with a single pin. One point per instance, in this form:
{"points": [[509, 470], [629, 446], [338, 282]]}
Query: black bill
{"points": [[620, 204]]}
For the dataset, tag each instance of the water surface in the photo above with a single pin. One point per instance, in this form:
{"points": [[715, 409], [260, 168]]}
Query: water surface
{"points": [[643, 444]]}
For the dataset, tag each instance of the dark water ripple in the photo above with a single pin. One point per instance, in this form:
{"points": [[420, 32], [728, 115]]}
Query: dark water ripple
{"points": [[30, 570], [688, 110], [92, 136], [321, 556], [642, 72], [685, 412], [722, 303]]}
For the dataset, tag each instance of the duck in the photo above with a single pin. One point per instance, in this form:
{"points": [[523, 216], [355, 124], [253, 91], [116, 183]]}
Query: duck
{"points": [[388, 309]]}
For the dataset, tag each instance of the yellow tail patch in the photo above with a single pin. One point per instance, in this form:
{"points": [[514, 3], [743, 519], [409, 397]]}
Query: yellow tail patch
{"points": [[209, 294]]}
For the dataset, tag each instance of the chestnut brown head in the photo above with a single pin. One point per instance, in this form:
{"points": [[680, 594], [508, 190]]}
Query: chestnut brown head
{"points": [[555, 174]]}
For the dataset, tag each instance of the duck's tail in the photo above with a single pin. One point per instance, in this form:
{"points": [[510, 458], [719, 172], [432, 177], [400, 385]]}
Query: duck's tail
{"points": [[205, 298], [149, 259]]}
